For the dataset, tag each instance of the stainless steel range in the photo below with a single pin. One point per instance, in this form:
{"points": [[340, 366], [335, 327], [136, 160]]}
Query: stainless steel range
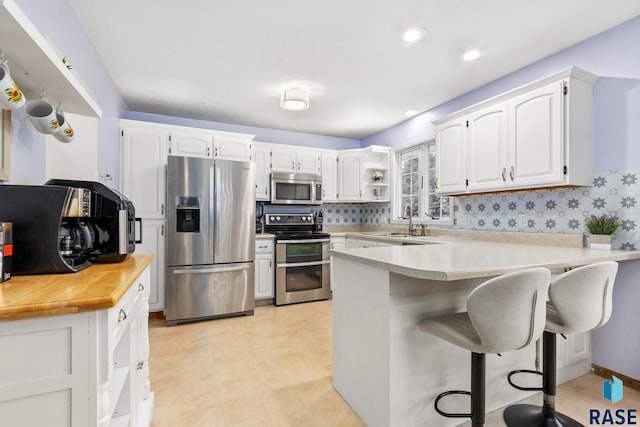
{"points": [[302, 258]]}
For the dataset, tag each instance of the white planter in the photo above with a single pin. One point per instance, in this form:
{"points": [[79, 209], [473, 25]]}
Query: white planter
{"points": [[601, 241]]}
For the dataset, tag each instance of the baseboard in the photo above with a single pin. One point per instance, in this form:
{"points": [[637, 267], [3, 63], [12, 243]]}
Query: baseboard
{"points": [[157, 315], [606, 373]]}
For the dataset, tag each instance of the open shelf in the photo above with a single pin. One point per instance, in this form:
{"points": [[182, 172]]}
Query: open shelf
{"points": [[35, 65]]}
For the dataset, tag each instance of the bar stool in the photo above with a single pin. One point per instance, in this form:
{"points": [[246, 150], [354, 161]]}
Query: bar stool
{"points": [[504, 313], [579, 301]]}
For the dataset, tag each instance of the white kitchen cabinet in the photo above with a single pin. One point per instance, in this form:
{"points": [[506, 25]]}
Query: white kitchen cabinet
{"points": [[350, 174], [190, 143], [487, 148], [261, 155], [376, 161], [308, 161], [82, 369], [539, 135], [230, 146], [264, 269], [329, 176], [291, 159], [143, 170], [153, 242], [338, 242], [536, 136], [351, 243], [451, 173]]}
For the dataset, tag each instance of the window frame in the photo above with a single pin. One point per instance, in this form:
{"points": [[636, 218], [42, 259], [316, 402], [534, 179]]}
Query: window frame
{"points": [[422, 145]]}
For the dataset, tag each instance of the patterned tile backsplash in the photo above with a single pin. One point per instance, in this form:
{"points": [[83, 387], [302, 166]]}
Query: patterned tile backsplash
{"points": [[545, 211]]}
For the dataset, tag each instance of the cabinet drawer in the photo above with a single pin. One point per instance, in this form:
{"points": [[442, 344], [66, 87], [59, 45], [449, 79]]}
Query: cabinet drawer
{"points": [[119, 318], [264, 246]]}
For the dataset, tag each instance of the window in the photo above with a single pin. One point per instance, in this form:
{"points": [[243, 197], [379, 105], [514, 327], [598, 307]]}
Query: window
{"points": [[417, 174]]}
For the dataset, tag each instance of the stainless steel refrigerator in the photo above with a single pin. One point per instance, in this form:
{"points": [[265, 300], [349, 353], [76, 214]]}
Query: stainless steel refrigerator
{"points": [[210, 238]]}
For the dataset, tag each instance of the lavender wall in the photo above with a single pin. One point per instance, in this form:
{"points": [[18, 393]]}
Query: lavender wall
{"points": [[261, 134], [56, 20]]}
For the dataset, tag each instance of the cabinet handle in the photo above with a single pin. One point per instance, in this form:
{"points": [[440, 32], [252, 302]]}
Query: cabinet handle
{"points": [[435, 183], [140, 287], [512, 173], [262, 247], [162, 209], [293, 165], [270, 263], [140, 365], [216, 152], [162, 230], [323, 194], [504, 174], [208, 151], [298, 165], [122, 316]]}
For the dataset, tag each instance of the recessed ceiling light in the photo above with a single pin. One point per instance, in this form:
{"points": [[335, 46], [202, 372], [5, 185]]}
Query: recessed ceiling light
{"points": [[470, 55], [411, 112], [413, 34]]}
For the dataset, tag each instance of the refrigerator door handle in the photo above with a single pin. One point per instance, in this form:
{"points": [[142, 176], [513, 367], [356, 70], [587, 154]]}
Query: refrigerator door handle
{"points": [[213, 270], [212, 224]]}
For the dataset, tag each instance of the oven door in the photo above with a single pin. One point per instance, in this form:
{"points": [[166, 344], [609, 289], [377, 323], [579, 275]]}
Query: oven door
{"points": [[302, 271]]}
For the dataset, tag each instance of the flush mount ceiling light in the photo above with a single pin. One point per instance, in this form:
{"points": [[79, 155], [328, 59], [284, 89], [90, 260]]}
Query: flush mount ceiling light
{"points": [[470, 55], [294, 99], [413, 34]]}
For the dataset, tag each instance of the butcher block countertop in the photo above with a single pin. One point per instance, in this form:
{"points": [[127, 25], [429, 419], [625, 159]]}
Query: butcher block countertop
{"points": [[95, 288]]}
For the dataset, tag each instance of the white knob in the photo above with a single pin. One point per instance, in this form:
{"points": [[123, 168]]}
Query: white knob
{"points": [[304, 218], [277, 218], [271, 218]]}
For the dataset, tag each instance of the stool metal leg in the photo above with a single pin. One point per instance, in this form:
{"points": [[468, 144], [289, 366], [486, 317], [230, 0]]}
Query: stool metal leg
{"points": [[535, 416], [477, 389]]}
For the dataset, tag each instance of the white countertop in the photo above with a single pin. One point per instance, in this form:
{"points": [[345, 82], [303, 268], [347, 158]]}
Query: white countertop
{"points": [[266, 236], [455, 259]]}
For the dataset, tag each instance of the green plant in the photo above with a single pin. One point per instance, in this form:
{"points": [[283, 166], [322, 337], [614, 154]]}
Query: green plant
{"points": [[602, 224], [65, 61]]}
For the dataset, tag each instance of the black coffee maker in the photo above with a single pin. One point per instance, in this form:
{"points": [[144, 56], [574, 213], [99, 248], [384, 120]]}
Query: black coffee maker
{"points": [[63, 229]]}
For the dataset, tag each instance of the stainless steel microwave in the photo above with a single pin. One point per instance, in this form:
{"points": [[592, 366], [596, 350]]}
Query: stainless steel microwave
{"points": [[296, 189]]}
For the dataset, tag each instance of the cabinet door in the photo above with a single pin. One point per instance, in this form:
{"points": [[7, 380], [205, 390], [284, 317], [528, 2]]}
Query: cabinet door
{"points": [[230, 148], [349, 177], [308, 161], [153, 242], [283, 159], [144, 160], [329, 177], [191, 144], [536, 135], [487, 148], [261, 155], [264, 276], [451, 157]]}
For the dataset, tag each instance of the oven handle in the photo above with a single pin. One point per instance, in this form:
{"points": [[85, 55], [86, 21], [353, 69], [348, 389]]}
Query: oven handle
{"points": [[304, 241], [302, 264]]}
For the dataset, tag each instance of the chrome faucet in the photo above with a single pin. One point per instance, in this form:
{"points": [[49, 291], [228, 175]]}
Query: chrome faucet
{"points": [[408, 214]]}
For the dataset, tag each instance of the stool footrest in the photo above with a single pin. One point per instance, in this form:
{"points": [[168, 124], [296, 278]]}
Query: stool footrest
{"points": [[523, 371], [447, 414]]}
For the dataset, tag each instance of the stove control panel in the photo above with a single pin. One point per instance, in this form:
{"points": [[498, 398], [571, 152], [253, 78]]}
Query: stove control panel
{"points": [[289, 219]]}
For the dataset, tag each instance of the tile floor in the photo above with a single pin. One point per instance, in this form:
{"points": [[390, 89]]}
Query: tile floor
{"points": [[274, 369]]}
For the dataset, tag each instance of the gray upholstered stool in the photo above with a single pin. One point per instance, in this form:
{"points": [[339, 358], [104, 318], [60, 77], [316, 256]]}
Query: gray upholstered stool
{"points": [[504, 313], [579, 301]]}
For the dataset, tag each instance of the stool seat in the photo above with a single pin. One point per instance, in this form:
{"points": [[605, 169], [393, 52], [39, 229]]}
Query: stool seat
{"points": [[504, 313], [580, 300]]}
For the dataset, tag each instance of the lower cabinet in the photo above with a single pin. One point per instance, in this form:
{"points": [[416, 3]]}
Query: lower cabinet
{"points": [[264, 268], [83, 369], [153, 242]]}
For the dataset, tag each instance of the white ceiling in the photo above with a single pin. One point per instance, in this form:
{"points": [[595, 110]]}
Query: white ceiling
{"points": [[228, 60]]}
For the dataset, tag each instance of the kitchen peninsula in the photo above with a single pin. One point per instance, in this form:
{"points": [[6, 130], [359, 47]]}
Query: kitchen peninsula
{"points": [[75, 347], [388, 371]]}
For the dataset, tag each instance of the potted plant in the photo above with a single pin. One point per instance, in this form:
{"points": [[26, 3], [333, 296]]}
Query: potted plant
{"points": [[601, 228], [377, 176]]}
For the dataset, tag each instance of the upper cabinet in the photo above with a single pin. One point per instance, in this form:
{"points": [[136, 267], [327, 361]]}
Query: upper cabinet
{"points": [[329, 176], [539, 135], [350, 174], [188, 142], [363, 174], [35, 65], [261, 155], [292, 159], [144, 159]]}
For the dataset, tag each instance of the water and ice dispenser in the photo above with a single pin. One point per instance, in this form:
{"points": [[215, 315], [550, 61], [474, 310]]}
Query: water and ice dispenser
{"points": [[187, 214]]}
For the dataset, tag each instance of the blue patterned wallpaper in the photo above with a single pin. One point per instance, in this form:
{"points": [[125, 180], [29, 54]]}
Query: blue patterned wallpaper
{"points": [[545, 211]]}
